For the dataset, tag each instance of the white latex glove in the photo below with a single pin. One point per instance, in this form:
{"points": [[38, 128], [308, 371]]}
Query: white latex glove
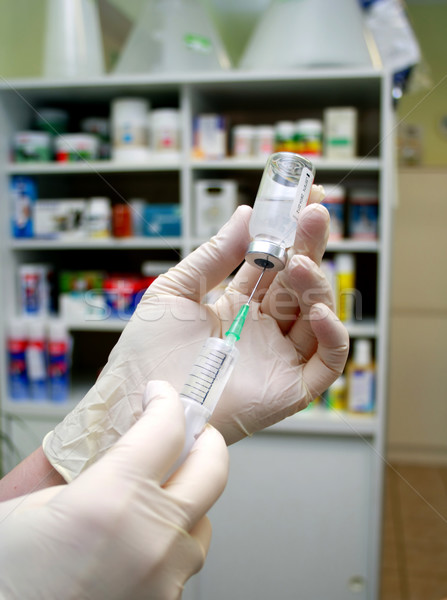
{"points": [[292, 347], [115, 533]]}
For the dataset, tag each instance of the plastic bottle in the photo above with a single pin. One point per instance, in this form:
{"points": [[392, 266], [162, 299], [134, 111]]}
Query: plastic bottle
{"points": [[345, 286], [361, 378], [34, 290], [284, 134], [17, 340], [334, 201], [243, 141], [130, 129], [284, 190], [99, 217], [165, 131], [36, 360], [309, 137], [336, 394], [58, 361], [121, 220], [264, 140], [363, 214], [137, 206]]}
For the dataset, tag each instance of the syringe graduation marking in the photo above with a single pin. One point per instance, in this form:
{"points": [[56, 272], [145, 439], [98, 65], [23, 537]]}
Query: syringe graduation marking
{"points": [[199, 383]]}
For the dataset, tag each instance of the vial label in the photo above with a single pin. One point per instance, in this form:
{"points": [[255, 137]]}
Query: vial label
{"points": [[302, 193]]}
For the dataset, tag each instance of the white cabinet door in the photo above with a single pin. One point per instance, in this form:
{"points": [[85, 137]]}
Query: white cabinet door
{"points": [[292, 523]]}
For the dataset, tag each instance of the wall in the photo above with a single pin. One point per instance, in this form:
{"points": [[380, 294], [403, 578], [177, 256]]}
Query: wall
{"points": [[417, 421], [427, 106], [21, 35]]}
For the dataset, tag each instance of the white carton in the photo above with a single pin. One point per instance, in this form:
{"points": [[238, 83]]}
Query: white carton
{"points": [[214, 202], [340, 132]]}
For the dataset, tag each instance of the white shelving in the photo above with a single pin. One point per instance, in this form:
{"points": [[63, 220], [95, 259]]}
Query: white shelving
{"points": [[98, 244], [242, 97], [160, 164], [96, 166]]}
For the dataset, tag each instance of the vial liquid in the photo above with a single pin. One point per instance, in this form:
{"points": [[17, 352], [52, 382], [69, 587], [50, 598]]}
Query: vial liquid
{"points": [[284, 190]]}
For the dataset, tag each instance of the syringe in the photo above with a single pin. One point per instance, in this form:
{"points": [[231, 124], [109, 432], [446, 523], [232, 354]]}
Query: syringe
{"points": [[208, 377]]}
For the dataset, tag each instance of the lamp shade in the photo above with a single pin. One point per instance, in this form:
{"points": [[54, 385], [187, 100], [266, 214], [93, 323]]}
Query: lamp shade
{"points": [[308, 33], [173, 35], [73, 41]]}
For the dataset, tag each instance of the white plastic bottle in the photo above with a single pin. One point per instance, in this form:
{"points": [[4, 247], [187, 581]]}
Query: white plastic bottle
{"points": [[58, 361], [130, 129], [36, 360], [345, 286], [361, 378], [284, 190], [165, 131], [98, 220], [17, 340]]}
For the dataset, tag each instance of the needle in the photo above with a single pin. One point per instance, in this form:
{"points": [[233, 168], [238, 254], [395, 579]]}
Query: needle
{"points": [[256, 286]]}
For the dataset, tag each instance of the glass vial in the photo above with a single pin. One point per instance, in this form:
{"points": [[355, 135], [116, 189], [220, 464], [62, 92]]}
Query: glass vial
{"points": [[284, 190]]}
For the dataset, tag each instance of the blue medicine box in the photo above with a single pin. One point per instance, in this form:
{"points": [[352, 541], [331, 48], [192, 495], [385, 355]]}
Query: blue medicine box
{"points": [[23, 191], [162, 220]]}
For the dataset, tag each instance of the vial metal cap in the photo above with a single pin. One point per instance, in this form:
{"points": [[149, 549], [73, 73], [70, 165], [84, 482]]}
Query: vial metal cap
{"points": [[266, 255]]}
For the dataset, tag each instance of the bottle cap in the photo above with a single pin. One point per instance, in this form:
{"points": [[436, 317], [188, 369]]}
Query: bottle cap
{"points": [[17, 329], [344, 263], [309, 125], [57, 330], [362, 352], [364, 197], [339, 383], [36, 329], [266, 255], [334, 193]]}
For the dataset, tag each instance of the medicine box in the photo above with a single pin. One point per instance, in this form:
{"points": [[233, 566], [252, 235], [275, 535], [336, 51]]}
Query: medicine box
{"points": [[340, 132], [23, 195], [62, 218], [162, 220], [214, 202], [210, 136]]}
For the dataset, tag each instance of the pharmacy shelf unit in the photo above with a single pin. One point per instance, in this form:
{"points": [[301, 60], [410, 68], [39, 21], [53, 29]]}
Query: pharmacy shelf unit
{"points": [[311, 438]]}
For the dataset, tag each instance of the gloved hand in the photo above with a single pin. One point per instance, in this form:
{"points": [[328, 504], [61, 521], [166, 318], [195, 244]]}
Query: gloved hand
{"points": [[292, 346], [115, 533]]}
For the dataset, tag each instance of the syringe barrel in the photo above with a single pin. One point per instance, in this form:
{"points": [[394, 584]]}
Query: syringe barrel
{"points": [[210, 372], [203, 388]]}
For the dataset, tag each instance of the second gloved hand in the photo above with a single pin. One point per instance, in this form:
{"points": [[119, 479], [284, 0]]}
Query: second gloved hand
{"points": [[116, 533]]}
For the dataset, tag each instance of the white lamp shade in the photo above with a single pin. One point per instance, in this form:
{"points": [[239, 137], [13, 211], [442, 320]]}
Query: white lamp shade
{"points": [[73, 41], [308, 33]]}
